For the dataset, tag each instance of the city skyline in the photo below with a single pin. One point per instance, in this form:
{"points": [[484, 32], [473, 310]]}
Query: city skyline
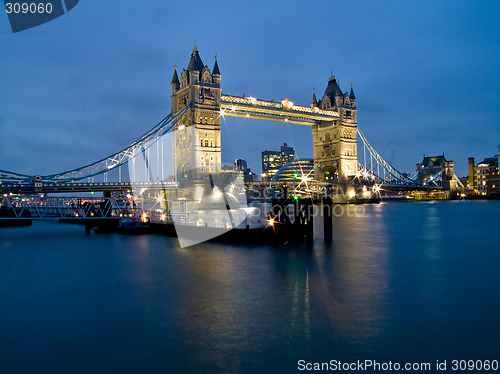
{"points": [[80, 87]]}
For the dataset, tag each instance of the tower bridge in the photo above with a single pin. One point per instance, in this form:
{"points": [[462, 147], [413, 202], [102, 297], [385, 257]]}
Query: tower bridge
{"points": [[197, 105], [197, 140]]}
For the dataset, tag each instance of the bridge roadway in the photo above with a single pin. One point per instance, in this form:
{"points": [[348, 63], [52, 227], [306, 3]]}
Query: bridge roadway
{"points": [[65, 187], [68, 187], [324, 186]]}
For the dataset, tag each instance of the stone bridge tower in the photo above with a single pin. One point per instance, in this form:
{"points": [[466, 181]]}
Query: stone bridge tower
{"points": [[335, 142], [197, 136]]}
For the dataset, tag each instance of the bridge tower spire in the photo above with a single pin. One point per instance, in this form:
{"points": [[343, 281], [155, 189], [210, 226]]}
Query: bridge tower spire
{"points": [[314, 101], [197, 136]]}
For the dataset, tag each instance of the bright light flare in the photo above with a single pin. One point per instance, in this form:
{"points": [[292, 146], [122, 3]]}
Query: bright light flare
{"points": [[271, 222], [233, 108], [287, 104], [253, 100]]}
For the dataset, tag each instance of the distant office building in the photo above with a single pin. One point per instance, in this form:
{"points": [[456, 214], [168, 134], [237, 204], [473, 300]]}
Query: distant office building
{"points": [[272, 161], [433, 165], [294, 170], [486, 177], [248, 175], [240, 164]]}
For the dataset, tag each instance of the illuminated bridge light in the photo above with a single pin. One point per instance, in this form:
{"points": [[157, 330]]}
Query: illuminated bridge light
{"points": [[287, 104], [253, 100]]}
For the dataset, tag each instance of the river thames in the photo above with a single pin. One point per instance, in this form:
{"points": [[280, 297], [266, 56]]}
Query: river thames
{"points": [[405, 282]]}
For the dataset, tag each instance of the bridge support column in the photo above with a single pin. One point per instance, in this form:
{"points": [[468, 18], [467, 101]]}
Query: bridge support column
{"points": [[309, 219], [327, 219]]}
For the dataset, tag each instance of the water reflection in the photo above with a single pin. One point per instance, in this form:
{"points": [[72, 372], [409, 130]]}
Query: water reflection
{"points": [[354, 272], [248, 298], [399, 282]]}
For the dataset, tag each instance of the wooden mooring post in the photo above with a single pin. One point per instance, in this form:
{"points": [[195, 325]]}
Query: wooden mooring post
{"points": [[327, 219]]}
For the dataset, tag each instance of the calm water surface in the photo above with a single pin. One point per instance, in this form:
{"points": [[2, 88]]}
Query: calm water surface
{"points": [[410, 282]]}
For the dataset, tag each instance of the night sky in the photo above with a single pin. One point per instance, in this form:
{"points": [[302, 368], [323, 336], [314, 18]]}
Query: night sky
{"points": [[425, 74]]}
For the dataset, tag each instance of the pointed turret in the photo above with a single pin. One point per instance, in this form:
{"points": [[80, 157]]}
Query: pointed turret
{"points": [[175, 84], [351, 95], [175, 78], [195, 64], [216, 70], [333, 89], [314, 102]]}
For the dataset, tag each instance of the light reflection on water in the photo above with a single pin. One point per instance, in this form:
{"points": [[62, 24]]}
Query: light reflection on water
{"points": [[401, 282]]}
